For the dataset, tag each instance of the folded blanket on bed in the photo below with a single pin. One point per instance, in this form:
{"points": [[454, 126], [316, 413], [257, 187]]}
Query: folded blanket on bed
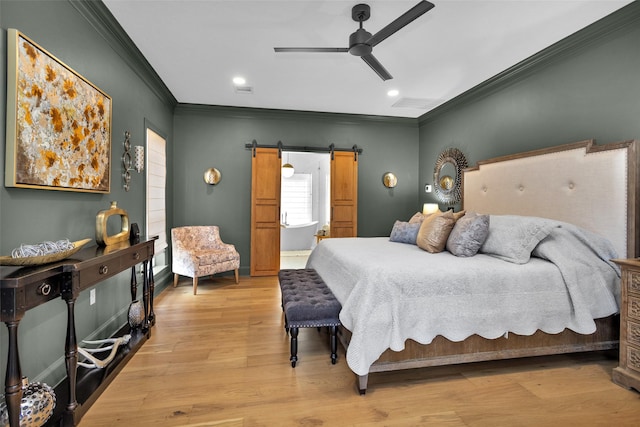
{"points": [[391, 292], [584, 260]]}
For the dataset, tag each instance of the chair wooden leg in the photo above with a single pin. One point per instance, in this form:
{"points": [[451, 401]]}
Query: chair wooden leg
{"points": [[195, 285], [175, 279], [237, 276]]}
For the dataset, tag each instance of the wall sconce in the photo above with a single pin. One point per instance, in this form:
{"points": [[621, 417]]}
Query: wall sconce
{"points": [[138, 158], [212, 176], [389, 180], [136, 163], [429, 208]]}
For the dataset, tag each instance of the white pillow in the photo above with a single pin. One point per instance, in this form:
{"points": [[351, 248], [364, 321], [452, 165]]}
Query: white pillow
{"points": [[512, 237]]}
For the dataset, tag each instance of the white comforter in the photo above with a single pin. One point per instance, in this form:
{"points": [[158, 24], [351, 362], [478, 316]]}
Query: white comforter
{"points": [[391, 292]]}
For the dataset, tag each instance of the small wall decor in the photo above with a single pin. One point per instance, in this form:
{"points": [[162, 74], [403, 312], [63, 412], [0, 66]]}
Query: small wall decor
{"points": [[389, 180], [130, 163], [212, 176], [102, 235], [58, 123]]}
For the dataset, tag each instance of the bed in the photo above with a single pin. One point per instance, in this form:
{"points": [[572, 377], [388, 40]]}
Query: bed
{"points": [[556, 293]]}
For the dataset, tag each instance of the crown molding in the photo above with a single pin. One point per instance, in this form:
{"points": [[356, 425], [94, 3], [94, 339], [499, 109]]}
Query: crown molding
{"points": [[252, 113], [615, 22], [99, 16]]}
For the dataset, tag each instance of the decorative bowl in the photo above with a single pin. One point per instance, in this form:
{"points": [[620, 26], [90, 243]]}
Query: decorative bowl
{"points": [[44, 259]]}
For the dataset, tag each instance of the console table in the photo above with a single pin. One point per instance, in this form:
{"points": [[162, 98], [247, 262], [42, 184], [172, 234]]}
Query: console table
{"points": [[23, 288]]}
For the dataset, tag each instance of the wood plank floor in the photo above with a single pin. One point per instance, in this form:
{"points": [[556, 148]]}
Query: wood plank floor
{"points": [[221, 358]]}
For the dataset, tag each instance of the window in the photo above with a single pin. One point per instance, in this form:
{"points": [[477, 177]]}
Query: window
{"points": [[296, 199], [156, 201]]}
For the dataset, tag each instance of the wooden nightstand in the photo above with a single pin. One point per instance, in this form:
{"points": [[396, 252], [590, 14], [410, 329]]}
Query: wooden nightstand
{"points": [[627, 374], [320, 237]]}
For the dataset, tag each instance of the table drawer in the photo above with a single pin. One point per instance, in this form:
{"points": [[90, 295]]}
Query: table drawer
{"points": [[633, 307], [633, 333], [633, 358], [97, 272], [634, 282], [136, 257], [18, 300]]}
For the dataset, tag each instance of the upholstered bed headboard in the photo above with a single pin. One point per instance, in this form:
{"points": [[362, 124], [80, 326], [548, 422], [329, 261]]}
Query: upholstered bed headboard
{"points": [[594, 187]]}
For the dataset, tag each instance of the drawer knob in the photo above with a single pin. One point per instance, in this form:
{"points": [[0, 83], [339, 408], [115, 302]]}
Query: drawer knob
{"points": [[136, 256], [44, 289], [103, 269]]}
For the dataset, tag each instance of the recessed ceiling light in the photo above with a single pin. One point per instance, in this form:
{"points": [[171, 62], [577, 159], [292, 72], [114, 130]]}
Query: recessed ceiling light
{"points": [[239, 81], [393, 92]]}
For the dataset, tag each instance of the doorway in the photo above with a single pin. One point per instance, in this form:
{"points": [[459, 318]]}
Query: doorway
{"points": [[305, 193], [266, 215]]}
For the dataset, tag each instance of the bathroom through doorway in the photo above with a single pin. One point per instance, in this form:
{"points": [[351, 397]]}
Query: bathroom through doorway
{"points": [[304, 204]]}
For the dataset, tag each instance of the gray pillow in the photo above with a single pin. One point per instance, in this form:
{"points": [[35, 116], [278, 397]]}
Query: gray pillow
{"points": [[404, 232], [513, 237], [468, 235]]}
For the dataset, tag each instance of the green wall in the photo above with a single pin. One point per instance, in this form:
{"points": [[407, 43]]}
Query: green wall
{"points": [[587, 86], [216, 137], [31, 216]]}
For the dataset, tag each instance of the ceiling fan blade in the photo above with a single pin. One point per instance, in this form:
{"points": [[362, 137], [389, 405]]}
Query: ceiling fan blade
{"points": [[404, 19], [376, 66], [311, 49]]}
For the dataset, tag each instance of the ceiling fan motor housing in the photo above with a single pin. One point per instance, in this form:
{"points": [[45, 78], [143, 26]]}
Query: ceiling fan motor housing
{"points": [[360, 12], [357, 43]]}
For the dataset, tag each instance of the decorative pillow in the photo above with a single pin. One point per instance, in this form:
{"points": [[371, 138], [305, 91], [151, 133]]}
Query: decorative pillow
{"points": [[513, 237], [417, 218], [458, 215], [434, 231], [468, 235], [404, 232]]}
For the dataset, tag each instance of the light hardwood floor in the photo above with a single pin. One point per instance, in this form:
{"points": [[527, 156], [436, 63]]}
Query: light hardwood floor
{"points": [[221, 358]]}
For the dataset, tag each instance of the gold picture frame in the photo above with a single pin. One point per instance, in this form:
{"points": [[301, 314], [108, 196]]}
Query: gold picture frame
{"points": [[58, 123]]}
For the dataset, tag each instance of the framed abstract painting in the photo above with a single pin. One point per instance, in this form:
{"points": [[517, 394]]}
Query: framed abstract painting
{"points": [[58, 123]]}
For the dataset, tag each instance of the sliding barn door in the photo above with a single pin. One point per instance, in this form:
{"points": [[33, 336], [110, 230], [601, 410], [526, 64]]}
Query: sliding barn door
{"points": [[265, 212], [344, 194]]}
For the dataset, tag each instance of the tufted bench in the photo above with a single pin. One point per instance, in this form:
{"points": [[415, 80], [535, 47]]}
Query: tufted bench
{"points": [[307, 302]]}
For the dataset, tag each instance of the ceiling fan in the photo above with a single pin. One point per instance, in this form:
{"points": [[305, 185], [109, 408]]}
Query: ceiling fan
{"points": [[361, 42]]}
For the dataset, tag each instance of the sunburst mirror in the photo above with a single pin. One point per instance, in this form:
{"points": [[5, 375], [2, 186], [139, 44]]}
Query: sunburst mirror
{"points": [[447, 176]]}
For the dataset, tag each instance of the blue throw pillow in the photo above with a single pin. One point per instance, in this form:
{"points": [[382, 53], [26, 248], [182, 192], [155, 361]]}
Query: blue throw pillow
{"points": [[404, 232]]}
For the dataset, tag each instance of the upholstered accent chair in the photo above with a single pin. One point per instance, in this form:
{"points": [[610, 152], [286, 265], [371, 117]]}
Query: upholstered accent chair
{"points": [[198, 251]]}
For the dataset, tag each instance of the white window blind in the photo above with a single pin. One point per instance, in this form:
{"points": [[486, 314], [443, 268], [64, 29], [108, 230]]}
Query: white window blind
{"points": [[156, 189], [296, 199]]}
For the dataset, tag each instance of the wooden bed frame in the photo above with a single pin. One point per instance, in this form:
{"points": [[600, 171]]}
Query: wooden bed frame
{"points": [[595, 187]]}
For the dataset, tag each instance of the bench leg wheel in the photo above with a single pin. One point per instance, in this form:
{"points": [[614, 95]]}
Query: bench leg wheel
{"points": [[294, 346], [334, 344]]}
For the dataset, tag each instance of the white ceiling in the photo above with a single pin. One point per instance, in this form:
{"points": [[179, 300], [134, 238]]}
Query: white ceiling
{"points": [[198, 46]]}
